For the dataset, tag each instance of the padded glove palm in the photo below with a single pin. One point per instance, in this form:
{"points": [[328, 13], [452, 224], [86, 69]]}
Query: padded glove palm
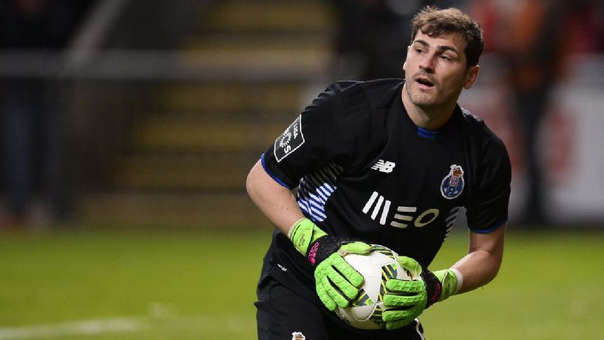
{"points": [[406, 299]]}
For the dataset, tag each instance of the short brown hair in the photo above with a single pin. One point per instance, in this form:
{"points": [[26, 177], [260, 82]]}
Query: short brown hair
{"points": [[434, 22]]}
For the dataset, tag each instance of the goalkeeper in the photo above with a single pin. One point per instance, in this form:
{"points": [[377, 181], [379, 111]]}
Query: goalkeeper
{"points": [[394, 162]]}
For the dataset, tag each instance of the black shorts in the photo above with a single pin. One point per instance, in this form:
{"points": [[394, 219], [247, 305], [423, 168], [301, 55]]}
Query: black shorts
{"points": [[284, 315]]}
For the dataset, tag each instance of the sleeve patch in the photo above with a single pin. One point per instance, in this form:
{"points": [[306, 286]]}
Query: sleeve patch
{"points": [[289, 141]]}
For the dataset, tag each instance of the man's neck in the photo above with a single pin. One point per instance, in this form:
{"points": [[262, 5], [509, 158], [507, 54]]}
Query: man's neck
{"points": [[430, 118]]}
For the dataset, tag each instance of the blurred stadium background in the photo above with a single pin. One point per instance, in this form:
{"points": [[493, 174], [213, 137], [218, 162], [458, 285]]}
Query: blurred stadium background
{"points": [[128, 127]]}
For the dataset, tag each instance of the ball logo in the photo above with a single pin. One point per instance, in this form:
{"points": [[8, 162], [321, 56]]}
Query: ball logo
{"points": [[452, 185]]}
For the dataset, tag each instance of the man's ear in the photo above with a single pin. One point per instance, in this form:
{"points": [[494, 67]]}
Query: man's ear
{"points": [[471, 76], [406, 55]]}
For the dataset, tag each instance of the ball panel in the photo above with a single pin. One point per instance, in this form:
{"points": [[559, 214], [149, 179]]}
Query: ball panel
{"points": [[380, 265]]}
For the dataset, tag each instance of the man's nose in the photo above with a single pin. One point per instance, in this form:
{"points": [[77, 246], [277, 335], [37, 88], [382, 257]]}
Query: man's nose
{"points": [[427, 63]]}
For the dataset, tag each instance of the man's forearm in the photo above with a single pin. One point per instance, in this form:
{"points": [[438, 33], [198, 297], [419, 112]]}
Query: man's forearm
{"points": [[482, 262], [477, 269], [275, 201]]}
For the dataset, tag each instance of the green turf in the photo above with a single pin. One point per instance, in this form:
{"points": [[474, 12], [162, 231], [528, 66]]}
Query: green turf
{"points": [[549, 287], [200, 285]]}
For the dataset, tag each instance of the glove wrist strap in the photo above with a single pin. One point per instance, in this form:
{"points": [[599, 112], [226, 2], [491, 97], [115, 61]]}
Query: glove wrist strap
{"points": [[433, 287], [450, 280], [303, 233], [459, 278]]}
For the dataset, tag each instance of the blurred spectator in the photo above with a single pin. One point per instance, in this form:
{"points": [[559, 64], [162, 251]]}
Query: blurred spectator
{"points": [[536, 39], [372, 35], [30, 116]]}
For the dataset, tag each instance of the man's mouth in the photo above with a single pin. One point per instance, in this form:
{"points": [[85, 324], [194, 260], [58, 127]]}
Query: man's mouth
{"points": [[424, 82]]}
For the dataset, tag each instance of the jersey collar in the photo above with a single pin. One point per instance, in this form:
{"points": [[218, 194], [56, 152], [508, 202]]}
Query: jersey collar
{"points": [[425, 133]]}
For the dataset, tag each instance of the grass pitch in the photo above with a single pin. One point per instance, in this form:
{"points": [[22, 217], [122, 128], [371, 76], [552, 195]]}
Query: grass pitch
{"points": [[95, 284]]}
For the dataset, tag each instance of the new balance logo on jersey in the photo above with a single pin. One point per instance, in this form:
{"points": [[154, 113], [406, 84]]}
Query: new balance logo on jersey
{"points": [[384, 166]]}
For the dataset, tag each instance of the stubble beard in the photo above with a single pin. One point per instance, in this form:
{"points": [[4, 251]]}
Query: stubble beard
{"points": [[420, 99], [431, 101]]}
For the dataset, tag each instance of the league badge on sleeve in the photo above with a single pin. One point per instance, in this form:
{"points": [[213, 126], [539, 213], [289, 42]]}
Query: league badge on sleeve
{"points": [[289, 141], [452, 185]]}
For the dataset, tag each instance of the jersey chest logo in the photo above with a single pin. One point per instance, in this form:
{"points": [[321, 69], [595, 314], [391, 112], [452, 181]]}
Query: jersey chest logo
{"points": [[452, 185], [404, 216], [384, 166]]}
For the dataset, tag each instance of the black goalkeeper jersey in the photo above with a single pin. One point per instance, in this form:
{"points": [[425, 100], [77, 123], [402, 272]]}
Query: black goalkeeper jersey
{"points": [[362, 169]]}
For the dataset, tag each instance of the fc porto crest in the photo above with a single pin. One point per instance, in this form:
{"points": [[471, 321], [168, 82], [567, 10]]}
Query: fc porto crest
{"points": [[452, 185]]}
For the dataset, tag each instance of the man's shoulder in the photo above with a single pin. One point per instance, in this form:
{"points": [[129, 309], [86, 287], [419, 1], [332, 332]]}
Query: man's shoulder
{"points": [[344, 85], [481, 135], [376, 92], [476, 125]]}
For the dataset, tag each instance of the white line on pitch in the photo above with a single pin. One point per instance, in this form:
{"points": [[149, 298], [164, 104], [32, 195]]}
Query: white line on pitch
{"points": [[230, 325], [87, 327]]}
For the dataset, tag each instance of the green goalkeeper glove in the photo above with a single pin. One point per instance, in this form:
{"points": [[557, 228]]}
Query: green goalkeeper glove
{"points": [[406, 299], [337, 283]]}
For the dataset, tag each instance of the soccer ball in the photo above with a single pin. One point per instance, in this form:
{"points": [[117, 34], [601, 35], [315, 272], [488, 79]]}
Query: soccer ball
{"points": [[365, 312]]}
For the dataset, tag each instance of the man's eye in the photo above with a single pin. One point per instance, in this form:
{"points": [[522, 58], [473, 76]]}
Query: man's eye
{"points": [[444, 57], [418, 50]]}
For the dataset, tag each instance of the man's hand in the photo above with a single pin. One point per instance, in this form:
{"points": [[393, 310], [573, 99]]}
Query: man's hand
{"points": [[406, 299], [337, 283]]}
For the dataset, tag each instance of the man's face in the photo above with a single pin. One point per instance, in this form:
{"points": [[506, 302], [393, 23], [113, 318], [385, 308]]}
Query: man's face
{"points": [[435, 69]]}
